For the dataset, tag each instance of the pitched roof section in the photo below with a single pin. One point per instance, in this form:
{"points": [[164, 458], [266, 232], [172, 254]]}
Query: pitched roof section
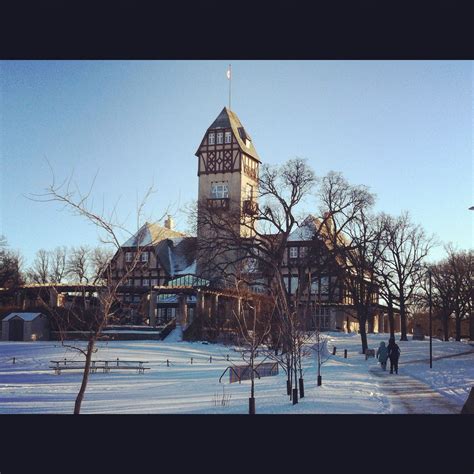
{"points": [[151, 234], [24, 316], [178, 255], [229, 119]]}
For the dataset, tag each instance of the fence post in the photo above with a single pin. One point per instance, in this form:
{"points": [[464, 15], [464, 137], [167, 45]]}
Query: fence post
{"points": [[167, 363], [65, 361], [117, 361], [334, 351], [191, 360], [13, 360], [227, 356], [210, 359], [345, 353]]}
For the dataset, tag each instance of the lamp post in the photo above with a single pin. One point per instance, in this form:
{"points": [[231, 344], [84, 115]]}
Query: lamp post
{"points": [[431, 305]]}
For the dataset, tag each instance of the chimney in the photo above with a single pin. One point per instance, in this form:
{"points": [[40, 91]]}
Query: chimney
{"points": [[329, 222], [169, 223]]}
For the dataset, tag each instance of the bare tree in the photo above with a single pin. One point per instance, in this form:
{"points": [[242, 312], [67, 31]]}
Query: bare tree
{"points": [[78, 264], [58, 264], [253, 317], [95, 305], [461, 274], [407, 245], [40, 271], [10, 266], [356, 237], [259, 240]]}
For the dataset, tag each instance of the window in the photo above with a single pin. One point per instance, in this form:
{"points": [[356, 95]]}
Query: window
{"points": [[228, 137], [219, 190], [212, 139], [249, 192], [144, 257], [154, 282], [128, 256], [129, 281], [294, 284], [220, 137], [324, 284], [293, 252], [137, 282], [146, 282]]}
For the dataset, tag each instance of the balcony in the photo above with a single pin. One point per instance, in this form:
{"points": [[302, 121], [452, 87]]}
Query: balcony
{"points": [[250, 207], [218, 203]]}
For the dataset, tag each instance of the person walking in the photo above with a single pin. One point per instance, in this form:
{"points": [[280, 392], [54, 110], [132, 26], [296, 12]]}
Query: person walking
{"points": [[393, 354], [382, 355]]}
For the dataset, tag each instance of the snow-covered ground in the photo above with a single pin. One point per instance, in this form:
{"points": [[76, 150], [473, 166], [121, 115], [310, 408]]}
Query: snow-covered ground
{"points": [[351, 385]]}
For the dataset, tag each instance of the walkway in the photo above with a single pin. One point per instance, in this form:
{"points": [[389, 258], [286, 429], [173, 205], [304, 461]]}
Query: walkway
{"points": [[410, 396]]}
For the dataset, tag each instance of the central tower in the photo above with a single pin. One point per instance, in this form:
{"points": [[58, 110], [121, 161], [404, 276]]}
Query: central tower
{"points": [[228, 170]]}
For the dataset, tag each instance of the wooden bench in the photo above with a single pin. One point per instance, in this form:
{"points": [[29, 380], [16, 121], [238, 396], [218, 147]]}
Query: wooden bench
{"points": [[105, 365]]}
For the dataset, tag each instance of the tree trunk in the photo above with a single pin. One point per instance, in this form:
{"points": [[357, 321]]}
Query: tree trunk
{"points": [[403, 320], [458, 327], [362, 316], [85, 375], [391, 320], [370, 323], [446, 326], [471, 327]]}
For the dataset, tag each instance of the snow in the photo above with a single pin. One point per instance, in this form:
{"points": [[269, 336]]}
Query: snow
{"points": [[176, 335], [350, 386]]}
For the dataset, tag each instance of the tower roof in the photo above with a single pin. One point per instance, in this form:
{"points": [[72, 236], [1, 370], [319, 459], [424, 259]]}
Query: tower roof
{"points": [[229, 119]]}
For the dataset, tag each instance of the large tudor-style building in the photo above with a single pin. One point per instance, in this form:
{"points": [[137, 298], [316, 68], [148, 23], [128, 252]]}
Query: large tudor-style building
{"points": [[172, 279]]}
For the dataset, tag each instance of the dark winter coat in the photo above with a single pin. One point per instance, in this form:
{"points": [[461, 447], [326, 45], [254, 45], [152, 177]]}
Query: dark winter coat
{"points": [[382, 353], [393, 351]]}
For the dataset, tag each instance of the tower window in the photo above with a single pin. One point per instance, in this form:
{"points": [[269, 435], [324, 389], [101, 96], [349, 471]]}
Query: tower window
{"points": [[219, 190], [228, 137], [212, 139], [249, 192], [220, 137]]}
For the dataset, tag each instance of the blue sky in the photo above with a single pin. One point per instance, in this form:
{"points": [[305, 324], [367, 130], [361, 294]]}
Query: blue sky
{"points": [[403, 128]]}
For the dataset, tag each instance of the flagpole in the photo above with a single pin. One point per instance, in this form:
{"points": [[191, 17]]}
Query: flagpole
{"points": [[230, 83]]}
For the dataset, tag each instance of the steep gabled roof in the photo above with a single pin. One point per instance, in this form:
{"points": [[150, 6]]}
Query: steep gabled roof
{"points": [[229, 119], [177, 255], [151, 234]]}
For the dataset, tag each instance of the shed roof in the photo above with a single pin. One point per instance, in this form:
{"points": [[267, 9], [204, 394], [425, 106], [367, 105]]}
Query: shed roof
{"points": [[24, 316]]}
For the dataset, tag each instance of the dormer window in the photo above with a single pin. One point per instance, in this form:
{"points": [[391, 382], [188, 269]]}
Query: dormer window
{"points": [[212, 139], [247, 143], [293, 252], [228, 137], [220, 138]]}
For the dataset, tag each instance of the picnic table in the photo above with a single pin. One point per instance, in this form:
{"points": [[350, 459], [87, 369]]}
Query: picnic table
{"points": [[105, 365]]}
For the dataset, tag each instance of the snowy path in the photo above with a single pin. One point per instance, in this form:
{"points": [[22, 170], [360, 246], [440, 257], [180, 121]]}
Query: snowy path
{"points": [[410, 396]]}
